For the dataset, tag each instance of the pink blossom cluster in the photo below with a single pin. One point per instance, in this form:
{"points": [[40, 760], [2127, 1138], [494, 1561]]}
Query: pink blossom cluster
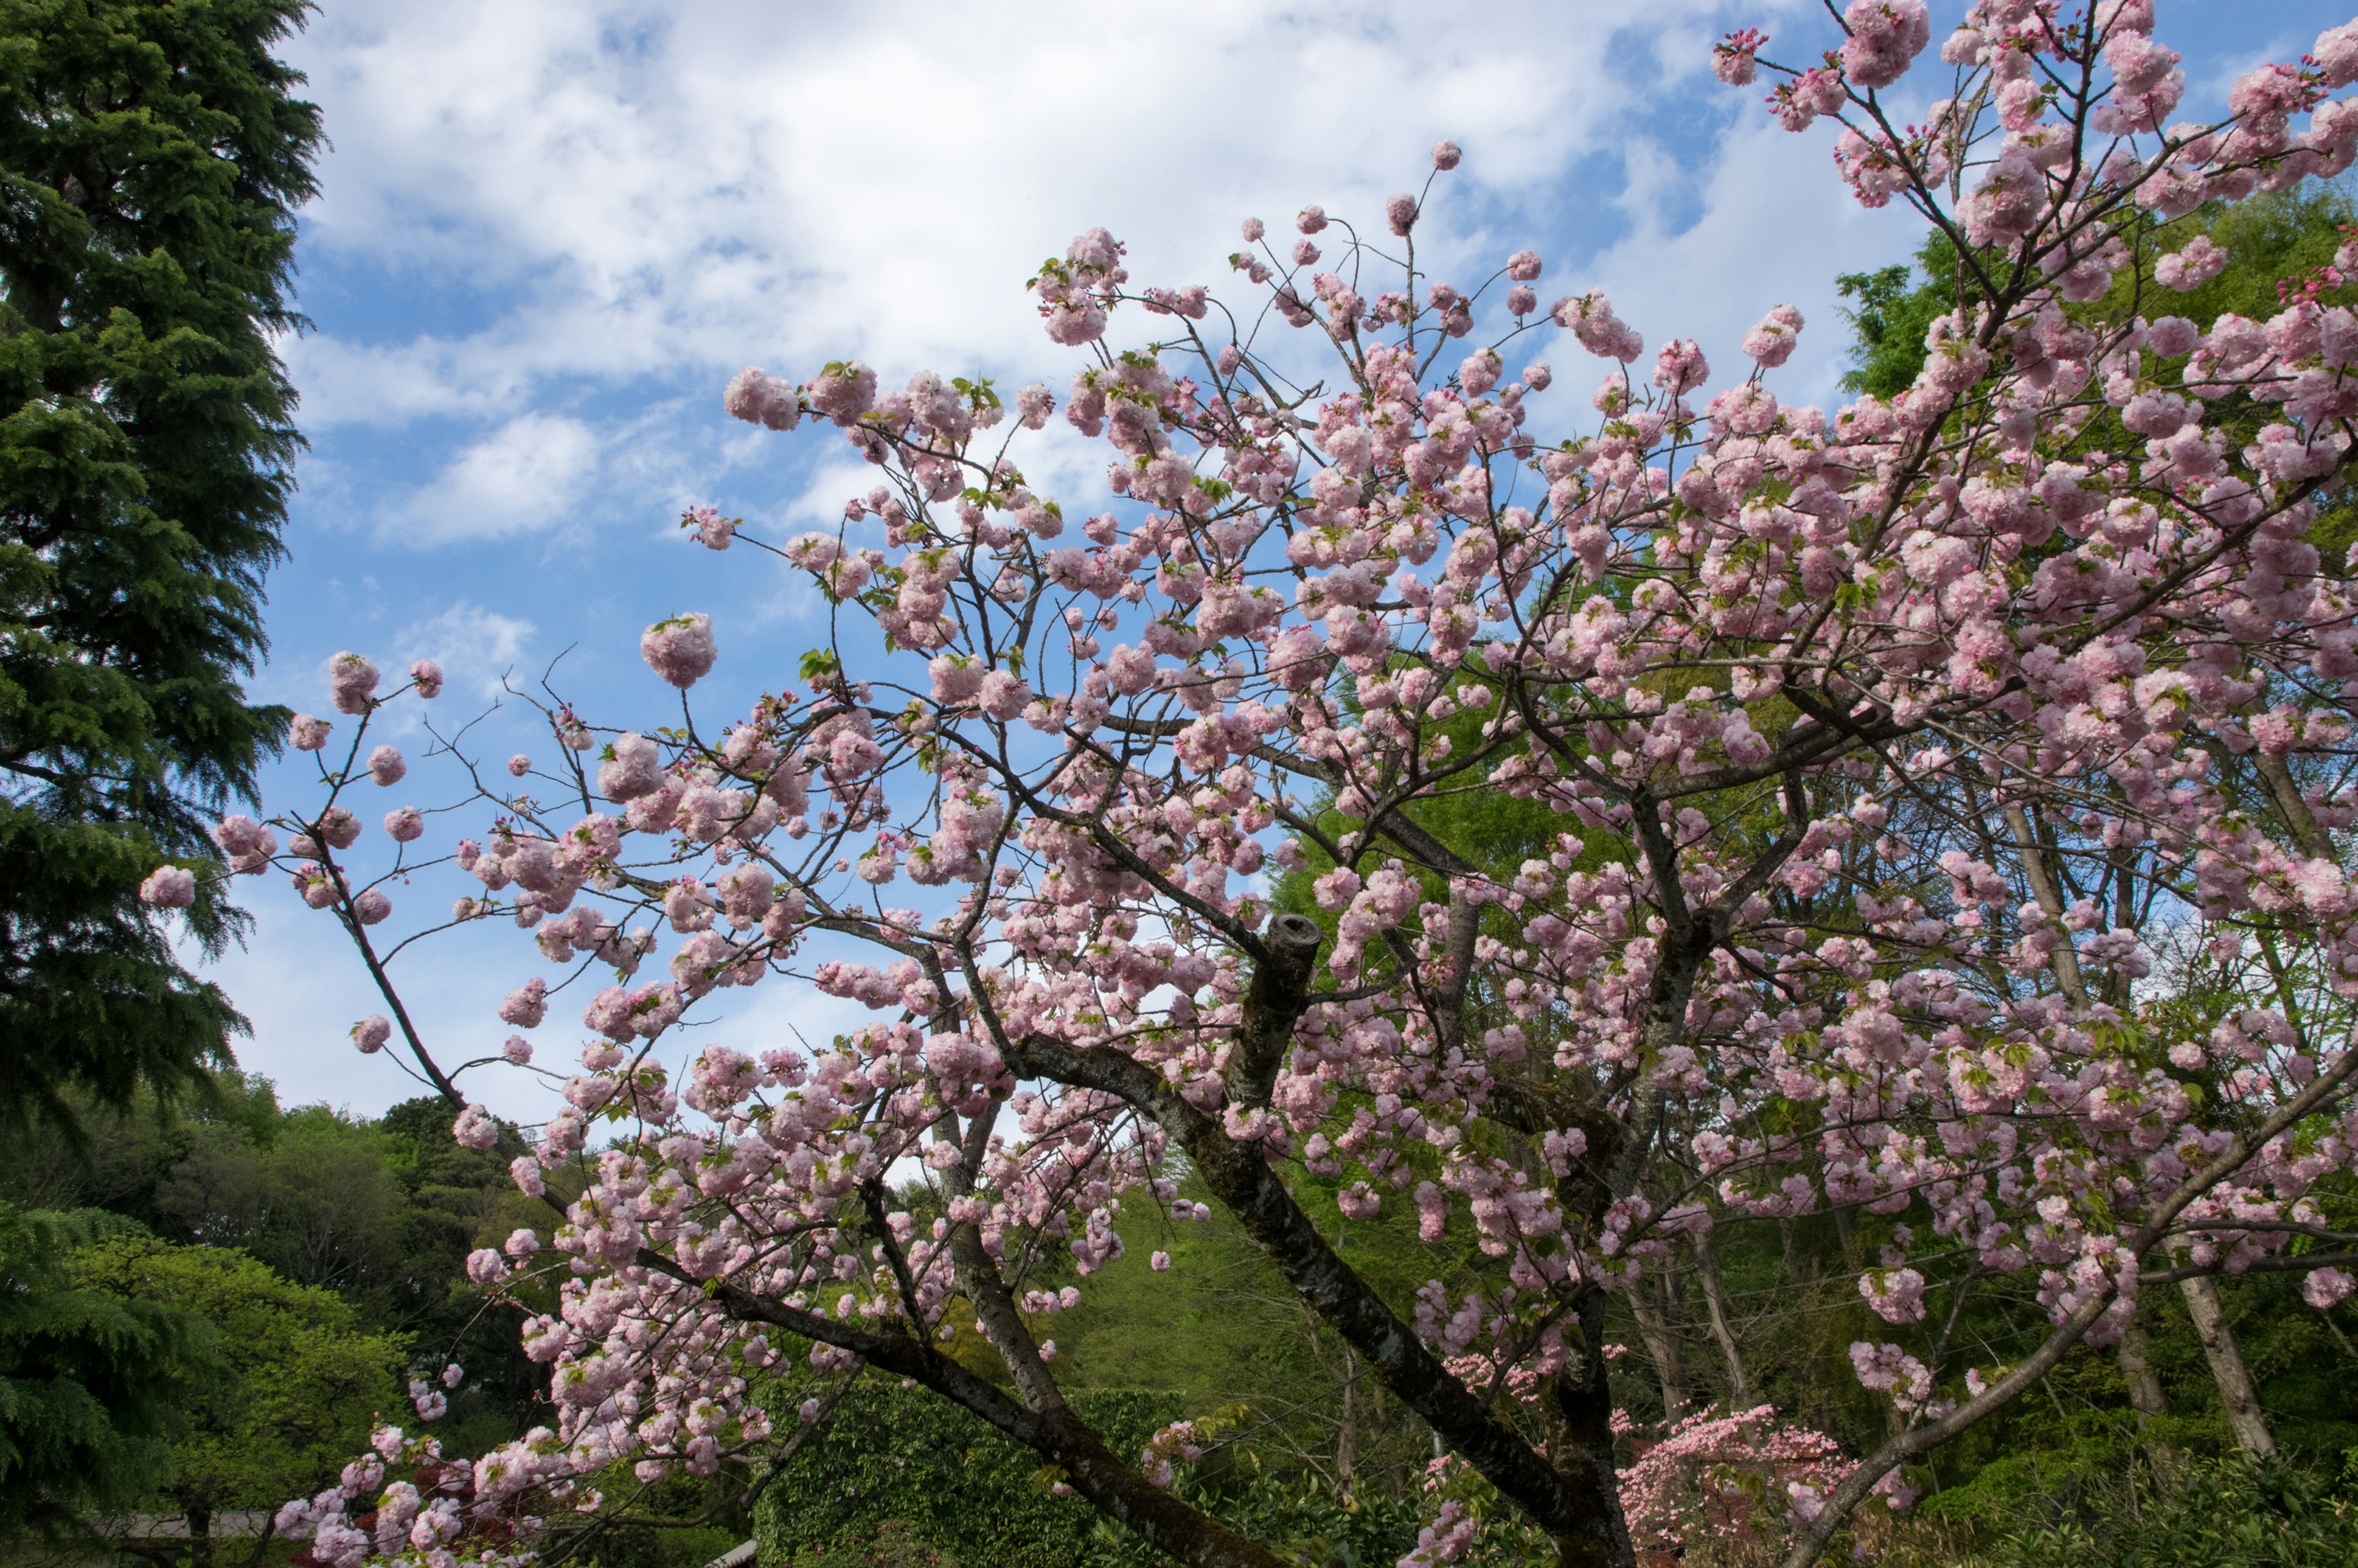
{"points": [[1716, 1484]]}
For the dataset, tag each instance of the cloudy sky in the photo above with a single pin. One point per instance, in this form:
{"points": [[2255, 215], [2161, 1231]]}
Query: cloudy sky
{"points": [[549, 230]]}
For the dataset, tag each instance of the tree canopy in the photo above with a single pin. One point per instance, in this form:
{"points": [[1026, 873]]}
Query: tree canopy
{"points": [[309, 1382]]}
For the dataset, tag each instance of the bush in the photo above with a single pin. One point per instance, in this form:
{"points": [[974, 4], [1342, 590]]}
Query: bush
{"points": [[2159, 1513], [948, 1482]]}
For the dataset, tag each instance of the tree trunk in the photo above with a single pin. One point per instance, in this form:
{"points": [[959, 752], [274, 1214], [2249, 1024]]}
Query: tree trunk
{"points": [[198, 1512], [1791, 1256], [1662, 1346], [2145, 1389], [1576, 1411], [1714, 1295], [2235, 1391], [1347, 1442]]}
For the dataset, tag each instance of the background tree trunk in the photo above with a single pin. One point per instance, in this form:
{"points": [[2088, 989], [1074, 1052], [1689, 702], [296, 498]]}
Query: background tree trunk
{"points": [[2242, 1402], [1662, 1346], [1723, 1329], [2145, 1389]]}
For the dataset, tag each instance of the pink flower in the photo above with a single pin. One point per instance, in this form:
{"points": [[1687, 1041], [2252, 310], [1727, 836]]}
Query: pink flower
{"points": [[519, 766], [2327, 1287], [2336, 54], [679, 649], [1771, 343], [1734, 60], [1591, 318], [1885, 36], [1002, 696], [1895, 1294], [763, 400], [316, 886], [474, 1128], [843, 391], [1075, 319], [370, 906], [406, 824], [957, 680], [527, 1005], [247, 843], [370, 1035], [1399, 212], [1446, 155], [350, 680], [633, 768], [426, 675], [385, 766], [168, 887], [712, 531], [1681, 367], [306, 733], [2191, 267]]}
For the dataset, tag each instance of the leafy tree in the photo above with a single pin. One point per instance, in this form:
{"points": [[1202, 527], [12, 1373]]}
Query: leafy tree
{"points": [[91, 1383], [150, 159], [310, 1379], [382, 1212]]}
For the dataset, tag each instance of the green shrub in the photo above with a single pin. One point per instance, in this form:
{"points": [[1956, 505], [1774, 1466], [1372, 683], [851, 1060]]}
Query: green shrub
{"points": [[904, 1457], [2164, 1513]]}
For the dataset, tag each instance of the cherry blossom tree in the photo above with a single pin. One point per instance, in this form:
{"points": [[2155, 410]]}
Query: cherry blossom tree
{"points": [[1887, 751]]}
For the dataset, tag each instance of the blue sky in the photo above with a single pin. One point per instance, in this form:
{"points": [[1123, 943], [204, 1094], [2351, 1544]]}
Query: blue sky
{"points": [[549, 230]]}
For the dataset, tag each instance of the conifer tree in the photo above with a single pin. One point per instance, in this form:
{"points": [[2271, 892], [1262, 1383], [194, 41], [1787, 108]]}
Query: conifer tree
{"points": [[150, 159]]}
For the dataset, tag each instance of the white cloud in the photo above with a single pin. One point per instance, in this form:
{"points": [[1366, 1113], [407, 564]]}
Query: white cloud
{"points": [[346, 384], [474, 646], [652, 190], [528, 475]]}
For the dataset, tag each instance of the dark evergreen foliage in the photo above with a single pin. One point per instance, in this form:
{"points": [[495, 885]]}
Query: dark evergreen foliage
{"points": [[150, 159], [91, 1384]]}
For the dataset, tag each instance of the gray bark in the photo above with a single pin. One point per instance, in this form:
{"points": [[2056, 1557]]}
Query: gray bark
{"points": [[2240, 1401]]}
